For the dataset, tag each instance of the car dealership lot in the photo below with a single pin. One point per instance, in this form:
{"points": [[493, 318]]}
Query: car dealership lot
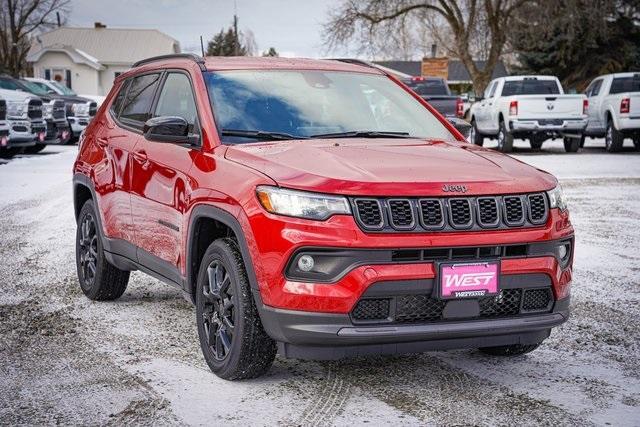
{"points": [[136, 360]]}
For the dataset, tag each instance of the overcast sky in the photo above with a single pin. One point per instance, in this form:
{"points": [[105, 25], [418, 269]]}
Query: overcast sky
{"points": [[293, 27]]}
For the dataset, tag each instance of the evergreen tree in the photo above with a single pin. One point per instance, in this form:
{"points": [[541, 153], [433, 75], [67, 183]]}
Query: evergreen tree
{"points": [[224, 44]]}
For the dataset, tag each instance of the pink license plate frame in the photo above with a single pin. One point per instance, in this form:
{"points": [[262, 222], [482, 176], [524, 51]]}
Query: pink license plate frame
{"points": [[462, 280]]}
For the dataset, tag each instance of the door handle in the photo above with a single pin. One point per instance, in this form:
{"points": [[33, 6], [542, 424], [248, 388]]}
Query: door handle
{"points": [[140, 156]]}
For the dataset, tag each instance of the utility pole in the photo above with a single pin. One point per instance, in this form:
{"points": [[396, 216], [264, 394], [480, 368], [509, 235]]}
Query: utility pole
{"points": [[59, 21], [236, 42]]}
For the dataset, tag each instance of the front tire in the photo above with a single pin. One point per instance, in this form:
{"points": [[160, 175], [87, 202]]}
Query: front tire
{"points": [[233, 340], [613, 138], [99, 280], [509, 350], [475, 136], [571, 145], [505, 138]]}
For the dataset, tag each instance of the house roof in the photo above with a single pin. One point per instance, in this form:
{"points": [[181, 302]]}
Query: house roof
{"points": [[105, 45], [457, 70]]}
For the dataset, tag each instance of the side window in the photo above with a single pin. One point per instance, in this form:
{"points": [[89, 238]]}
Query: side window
{"points": [[117, 102], [595, 90], [136, 106], [176, 99], [493, 89], [490, 89]]}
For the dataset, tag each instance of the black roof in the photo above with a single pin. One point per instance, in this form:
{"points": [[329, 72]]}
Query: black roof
{"points": [[457, 71]]}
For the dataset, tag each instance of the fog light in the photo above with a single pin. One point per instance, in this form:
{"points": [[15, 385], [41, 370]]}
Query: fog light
{"points": [[562, 251], [306, 263]]}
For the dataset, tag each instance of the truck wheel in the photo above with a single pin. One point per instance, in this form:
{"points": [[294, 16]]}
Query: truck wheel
{"points": [[571, 145], [505, 139], [474, 135], [233, 341], [34, 149], [509, 350], [536, 142], [613, 138], [99, 280]]}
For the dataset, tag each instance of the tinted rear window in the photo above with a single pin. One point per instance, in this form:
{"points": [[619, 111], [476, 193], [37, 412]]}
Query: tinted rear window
{"points": [[137, 103], [429, 87], [530, 87], [625, 84]]}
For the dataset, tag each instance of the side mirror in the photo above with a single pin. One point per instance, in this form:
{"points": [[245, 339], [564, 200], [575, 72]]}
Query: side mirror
{"points": [[51, 92], [461, 126], [169, 129]]}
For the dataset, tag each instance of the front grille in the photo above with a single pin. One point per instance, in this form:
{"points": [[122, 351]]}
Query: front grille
{"points": [[371, 309], [93, 109], [536, 299], [369, 213], [513, 210], [3, 109], [401, 213], [450, 214], [59, 110], [35, 109], [423, 308]]}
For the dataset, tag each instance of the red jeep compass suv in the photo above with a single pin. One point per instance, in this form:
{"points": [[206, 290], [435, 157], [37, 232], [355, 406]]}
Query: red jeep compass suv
{"points": [[315, 208]]}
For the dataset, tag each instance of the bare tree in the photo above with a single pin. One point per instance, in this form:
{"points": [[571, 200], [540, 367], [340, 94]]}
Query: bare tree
{"points": [[19, 21], [465, 28]]}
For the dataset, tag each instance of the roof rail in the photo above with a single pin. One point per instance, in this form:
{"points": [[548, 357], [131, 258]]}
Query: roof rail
{"points": [[360, 62], [192, 56]]}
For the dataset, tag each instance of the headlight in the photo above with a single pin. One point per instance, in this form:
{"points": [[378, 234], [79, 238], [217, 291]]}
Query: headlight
{"points": [[556, 199], [302, 204], [80, 109], [16, 108]]}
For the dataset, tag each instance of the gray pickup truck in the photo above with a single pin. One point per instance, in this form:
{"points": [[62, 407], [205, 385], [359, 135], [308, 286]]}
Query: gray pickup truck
{"points": [[435, 91]]}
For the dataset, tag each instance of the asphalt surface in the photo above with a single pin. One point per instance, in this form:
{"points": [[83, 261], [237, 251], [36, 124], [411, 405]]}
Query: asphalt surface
{"points": [[67, 360]]}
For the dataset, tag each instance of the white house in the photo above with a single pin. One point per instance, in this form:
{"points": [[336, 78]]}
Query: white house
{"points": [[88, 59]]}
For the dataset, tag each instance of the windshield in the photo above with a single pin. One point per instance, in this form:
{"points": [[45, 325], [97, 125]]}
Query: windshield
{"points": [[625, 84], [429, 87], [530, 87], [34, 88], [65, 90], [305, 104]]}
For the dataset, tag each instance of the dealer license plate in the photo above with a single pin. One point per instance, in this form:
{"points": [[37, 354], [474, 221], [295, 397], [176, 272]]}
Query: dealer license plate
{"points": [[469, 280]]}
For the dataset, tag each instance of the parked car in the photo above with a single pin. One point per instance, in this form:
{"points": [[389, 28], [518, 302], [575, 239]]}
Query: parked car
{"points": [[80, 110], [25, 120], [436, 92], [302, 215], [54, 113], [614, 109], [528, 107]]}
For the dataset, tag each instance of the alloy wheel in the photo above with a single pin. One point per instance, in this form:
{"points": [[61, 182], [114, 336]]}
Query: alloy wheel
{"points": [[218, 314], [88, 250]]}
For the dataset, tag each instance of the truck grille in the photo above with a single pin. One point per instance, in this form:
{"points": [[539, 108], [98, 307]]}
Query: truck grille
{"points": [[451, 214], [35, 109], [93, 109], [3, 109], [423, 308], [59, 110]]}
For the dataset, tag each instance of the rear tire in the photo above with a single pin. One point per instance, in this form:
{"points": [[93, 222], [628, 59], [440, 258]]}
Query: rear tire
{"points": [[34, 149], [475, 136], [99, 280], [509, 350], [233, 340], [505, 139], [613, 138], [571, 145]]}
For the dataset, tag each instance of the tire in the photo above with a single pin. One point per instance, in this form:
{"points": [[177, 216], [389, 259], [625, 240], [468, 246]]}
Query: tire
{"points": [[571, 145], [505, 139], [475, 136], [613, 138], [34, 149], [636, 142], [233, 340], [536, 142], [509, 350], [99, 280]]}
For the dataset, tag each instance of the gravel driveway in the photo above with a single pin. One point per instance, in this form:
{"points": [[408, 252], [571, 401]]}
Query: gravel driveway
{"points": [[65, 359]]}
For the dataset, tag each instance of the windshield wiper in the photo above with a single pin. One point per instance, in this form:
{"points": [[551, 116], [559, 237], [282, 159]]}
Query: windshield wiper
{"points": [[363, 134], [260, 134]]}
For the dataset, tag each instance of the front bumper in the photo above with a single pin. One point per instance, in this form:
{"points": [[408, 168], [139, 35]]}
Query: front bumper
{"points": [[551, 125], [58, 132], [23, 132], [78, 124]]}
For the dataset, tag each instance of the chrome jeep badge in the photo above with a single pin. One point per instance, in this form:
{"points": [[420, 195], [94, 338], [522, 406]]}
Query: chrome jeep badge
{"points": [[448, 188]]}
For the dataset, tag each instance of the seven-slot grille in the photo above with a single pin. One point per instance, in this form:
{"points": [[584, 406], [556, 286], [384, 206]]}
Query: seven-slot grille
{"points": [[3, 109], [451, 214], [35, 109]]}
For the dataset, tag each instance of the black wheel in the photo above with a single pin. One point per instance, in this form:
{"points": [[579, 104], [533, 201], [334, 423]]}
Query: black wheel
{"points": [[474, 135], [536, 142], [636, 142], [505, 139], [34, 149], [233, 341], [8, 153], [509, 350], [571, 145], [99, 280], [613, 138]]}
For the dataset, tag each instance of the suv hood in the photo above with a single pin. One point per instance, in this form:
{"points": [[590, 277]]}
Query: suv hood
{"points": [[16, 95], [387, 167]]}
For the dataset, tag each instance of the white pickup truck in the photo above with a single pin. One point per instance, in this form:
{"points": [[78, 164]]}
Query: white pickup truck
{"points": [[528, 107], [614, 109]]}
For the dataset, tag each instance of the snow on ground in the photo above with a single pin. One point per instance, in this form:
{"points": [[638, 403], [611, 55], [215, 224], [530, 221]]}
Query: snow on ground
{"points": [[65, 359]]}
